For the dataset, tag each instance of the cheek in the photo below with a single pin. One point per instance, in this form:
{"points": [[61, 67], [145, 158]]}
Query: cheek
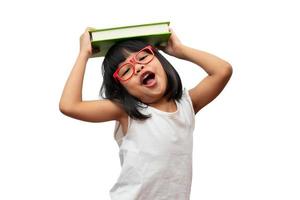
{"points": [[131, 86], [162, 74], [164, 77]]}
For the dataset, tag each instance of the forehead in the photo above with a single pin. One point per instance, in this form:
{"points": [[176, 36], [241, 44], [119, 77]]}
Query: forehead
{"points": [[128, 55]]}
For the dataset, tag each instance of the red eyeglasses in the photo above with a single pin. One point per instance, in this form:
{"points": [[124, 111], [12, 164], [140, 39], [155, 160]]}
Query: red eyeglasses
{"points": [[126, 70]]}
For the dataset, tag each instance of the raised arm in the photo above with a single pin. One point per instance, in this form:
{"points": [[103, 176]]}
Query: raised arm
{"points": [[219, 71], [71, 103]]}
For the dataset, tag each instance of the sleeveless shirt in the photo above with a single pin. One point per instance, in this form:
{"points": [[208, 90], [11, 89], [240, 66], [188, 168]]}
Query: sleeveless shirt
{"points": [[156, 154]]}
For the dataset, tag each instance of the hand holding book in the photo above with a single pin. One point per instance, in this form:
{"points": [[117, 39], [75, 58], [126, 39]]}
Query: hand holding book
{"points": [[85, 43], [173, 47], [96, 42]]}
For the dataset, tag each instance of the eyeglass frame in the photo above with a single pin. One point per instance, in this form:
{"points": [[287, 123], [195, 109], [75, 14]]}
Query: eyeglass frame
{"points": [[133, 62]]}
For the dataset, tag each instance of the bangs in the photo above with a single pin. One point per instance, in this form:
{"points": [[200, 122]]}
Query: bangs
{"points": [[116, 58], [120, 51]]}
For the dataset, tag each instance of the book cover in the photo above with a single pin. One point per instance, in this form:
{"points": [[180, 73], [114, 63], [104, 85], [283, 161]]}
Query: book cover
{"points": [[152, 33]]}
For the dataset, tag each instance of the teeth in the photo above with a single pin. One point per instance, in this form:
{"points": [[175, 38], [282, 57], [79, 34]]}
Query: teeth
{"points": [[146, 76]]}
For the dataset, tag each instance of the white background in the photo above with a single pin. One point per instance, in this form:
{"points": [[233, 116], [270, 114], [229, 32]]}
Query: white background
{"points": [[246, 142]]}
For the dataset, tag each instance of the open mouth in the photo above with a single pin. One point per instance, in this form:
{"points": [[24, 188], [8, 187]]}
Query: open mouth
{"points": [[148, 79]]}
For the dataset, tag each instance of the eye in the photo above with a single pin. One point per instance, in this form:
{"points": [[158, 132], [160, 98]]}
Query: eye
{"points": [[142, 58], [125, 72]]}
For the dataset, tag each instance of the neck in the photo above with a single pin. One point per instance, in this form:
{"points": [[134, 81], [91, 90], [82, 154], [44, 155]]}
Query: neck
{"points": [[164, 105]]}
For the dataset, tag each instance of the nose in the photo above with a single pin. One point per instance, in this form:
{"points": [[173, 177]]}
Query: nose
{"points": [[139, 68]]}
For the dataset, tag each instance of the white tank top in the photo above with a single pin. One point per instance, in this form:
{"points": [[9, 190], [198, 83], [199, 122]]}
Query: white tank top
{"points": [[156, 155]]}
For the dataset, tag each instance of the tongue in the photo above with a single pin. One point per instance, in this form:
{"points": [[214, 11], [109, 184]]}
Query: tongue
{"points": [[149, 81]]}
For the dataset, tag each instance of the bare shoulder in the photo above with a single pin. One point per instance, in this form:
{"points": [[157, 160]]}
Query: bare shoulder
{"points": [[124, 122], [191, 94]]}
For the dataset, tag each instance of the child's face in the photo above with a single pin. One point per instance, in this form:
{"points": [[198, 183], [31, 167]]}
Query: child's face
{"points": [[148, 82]]}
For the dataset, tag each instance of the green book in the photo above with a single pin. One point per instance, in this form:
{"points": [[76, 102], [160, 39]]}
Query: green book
{"points": [[152, 33]]}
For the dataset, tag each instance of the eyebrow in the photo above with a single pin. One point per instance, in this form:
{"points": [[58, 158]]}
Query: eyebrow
{"points": [[121, 63]]}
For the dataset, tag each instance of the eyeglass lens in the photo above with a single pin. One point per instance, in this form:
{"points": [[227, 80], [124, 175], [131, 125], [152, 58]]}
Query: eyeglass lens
{"points": [[143, 57]]}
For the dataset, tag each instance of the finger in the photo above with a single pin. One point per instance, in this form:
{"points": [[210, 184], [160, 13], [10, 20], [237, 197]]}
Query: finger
{"points": [[172, 32], [90, 29], [174, 35]]}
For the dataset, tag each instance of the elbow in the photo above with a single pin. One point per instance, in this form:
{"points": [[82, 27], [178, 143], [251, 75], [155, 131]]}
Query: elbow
{"points": [[68, 109], [226, 73], [227, 70], [64, 109]]}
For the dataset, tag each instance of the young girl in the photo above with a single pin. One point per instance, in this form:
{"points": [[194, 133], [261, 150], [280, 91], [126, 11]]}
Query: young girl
{"points": [[154, 115]]}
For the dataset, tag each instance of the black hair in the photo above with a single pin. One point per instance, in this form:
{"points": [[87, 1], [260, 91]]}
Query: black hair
{"points": [[114, 91]]}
